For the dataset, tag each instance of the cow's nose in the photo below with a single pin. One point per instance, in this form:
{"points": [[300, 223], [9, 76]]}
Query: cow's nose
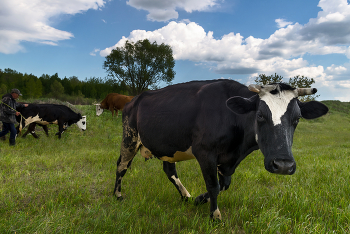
{"points": [[283, 166]]}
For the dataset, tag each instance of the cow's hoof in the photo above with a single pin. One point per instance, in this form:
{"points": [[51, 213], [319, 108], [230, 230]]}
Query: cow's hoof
{"points": [[120, 198], [218, 222], [186, 199], [200, 200]]}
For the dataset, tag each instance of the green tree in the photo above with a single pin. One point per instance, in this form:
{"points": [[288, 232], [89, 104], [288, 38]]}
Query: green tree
{"points": [[38, 89], [30, 88], [141, 65], [3, 89], [262, 79], [303, 82], [296, 82], [57, 89]]}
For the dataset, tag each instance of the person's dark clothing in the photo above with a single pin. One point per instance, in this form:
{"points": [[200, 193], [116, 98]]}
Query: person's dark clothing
{"points": [[8, 115], [8, 127]]}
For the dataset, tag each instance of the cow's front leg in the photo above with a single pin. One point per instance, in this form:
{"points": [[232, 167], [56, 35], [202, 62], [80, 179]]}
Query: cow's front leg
{"points": [[170, 171], [112, 110], [224, 182], [60, 130], [209, 171], [46, 130]]}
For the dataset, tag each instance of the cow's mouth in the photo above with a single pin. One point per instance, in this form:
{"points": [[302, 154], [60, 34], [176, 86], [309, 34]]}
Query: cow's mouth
{"points": [[282, 166]]}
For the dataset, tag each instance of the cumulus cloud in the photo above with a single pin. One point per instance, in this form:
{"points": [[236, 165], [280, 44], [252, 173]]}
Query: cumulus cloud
{"points": [[22, 20], [282, 52], [281, 23], [160, 10], [336, 69]]}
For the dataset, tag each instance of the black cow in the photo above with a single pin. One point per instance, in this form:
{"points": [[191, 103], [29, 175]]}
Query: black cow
{"points": [[217, 122], [44, 114]]}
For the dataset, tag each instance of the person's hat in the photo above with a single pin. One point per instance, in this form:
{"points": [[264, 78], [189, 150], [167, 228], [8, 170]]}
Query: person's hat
{"points": [[16, 91]]}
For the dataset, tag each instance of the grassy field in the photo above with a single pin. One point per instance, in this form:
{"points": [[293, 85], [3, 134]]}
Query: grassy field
{"points": [[49, 185]]}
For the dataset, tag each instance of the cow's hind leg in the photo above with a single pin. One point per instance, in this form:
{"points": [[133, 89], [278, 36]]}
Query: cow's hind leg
{"points": [[123, 163], [31, 130], [170, 171], [128, 151]]}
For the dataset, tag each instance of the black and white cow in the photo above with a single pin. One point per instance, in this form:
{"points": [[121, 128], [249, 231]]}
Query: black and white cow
{"points": [[217, 122], [31, 130], [44, 114]]}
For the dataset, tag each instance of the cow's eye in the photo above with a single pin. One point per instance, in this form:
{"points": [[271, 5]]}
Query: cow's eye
{"points": [[260, 117], [296, 121]]}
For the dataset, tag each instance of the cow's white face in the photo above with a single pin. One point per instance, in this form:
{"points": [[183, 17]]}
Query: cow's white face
{"points": [[99, 110], [82, 123]]}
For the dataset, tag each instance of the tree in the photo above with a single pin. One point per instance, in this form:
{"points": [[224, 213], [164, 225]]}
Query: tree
{"points": [[30, 88], [262, 79], [57, 89], [296, 82], [303, 82], [141, 65], [3, 89]]}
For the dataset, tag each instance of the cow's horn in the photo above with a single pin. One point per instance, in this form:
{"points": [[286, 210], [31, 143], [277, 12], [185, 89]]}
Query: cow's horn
{"points": [[254, 88], [306, 91]]}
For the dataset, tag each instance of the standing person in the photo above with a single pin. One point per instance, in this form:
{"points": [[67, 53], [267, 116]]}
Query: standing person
{"points": [[8, 114]]}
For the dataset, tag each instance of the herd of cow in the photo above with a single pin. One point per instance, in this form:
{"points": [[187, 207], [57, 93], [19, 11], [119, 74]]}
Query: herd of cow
{"points": [[63, 116], [216, 122]]}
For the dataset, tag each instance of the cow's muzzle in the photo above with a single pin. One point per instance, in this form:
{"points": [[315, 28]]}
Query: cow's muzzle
{"points": [[282, 166]]}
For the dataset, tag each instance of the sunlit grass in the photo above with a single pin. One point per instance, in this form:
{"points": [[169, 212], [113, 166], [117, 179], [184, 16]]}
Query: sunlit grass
{"points": [[49, 185]]}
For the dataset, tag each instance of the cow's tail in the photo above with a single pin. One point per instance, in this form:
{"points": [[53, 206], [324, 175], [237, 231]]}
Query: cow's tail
{"points": [[24, 122]]}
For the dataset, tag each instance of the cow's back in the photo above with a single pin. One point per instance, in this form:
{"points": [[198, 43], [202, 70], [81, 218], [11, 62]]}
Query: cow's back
{"points": [[108, 100], [174, 115], [120, 100]]}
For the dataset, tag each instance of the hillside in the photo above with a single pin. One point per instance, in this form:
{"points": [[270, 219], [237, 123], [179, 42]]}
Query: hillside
{"points": [[337, 106]]}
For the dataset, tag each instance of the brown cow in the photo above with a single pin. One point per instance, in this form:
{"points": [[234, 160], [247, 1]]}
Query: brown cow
{"points": [[115, 102]]}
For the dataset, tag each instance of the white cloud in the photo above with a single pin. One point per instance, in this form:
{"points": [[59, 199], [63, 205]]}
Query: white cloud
{"points": [[336, 69], [93, 53], [281, 23], [282, 52], [22, 20], [160, 10]]}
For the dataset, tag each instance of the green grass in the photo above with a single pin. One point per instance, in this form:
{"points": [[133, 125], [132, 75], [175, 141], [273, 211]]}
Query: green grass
{"points": [[49, 185]]}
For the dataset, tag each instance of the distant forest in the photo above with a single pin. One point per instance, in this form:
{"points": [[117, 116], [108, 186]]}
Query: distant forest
{"points": [[52, 86]]}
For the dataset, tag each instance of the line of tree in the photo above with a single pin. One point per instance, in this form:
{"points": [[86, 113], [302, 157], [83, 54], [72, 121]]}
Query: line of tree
{"points": [[131, 69], [52, 86]]}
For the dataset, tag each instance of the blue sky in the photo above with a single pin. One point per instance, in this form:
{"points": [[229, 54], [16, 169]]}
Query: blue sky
{"points": [[211, 39]]}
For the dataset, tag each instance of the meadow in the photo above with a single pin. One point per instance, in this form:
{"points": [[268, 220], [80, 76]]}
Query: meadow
{"points": [[49, 185]]}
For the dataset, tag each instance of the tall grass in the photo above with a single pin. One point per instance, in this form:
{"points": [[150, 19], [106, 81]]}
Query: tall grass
{"points": [[49, 185]]}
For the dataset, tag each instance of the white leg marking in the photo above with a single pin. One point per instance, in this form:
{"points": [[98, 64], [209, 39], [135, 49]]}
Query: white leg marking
{"points": [[217, 214], [183, 190]]}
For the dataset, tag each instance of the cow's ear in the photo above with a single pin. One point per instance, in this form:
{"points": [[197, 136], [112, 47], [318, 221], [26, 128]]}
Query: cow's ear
{"points": [[312, 110], [240, 105]]}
